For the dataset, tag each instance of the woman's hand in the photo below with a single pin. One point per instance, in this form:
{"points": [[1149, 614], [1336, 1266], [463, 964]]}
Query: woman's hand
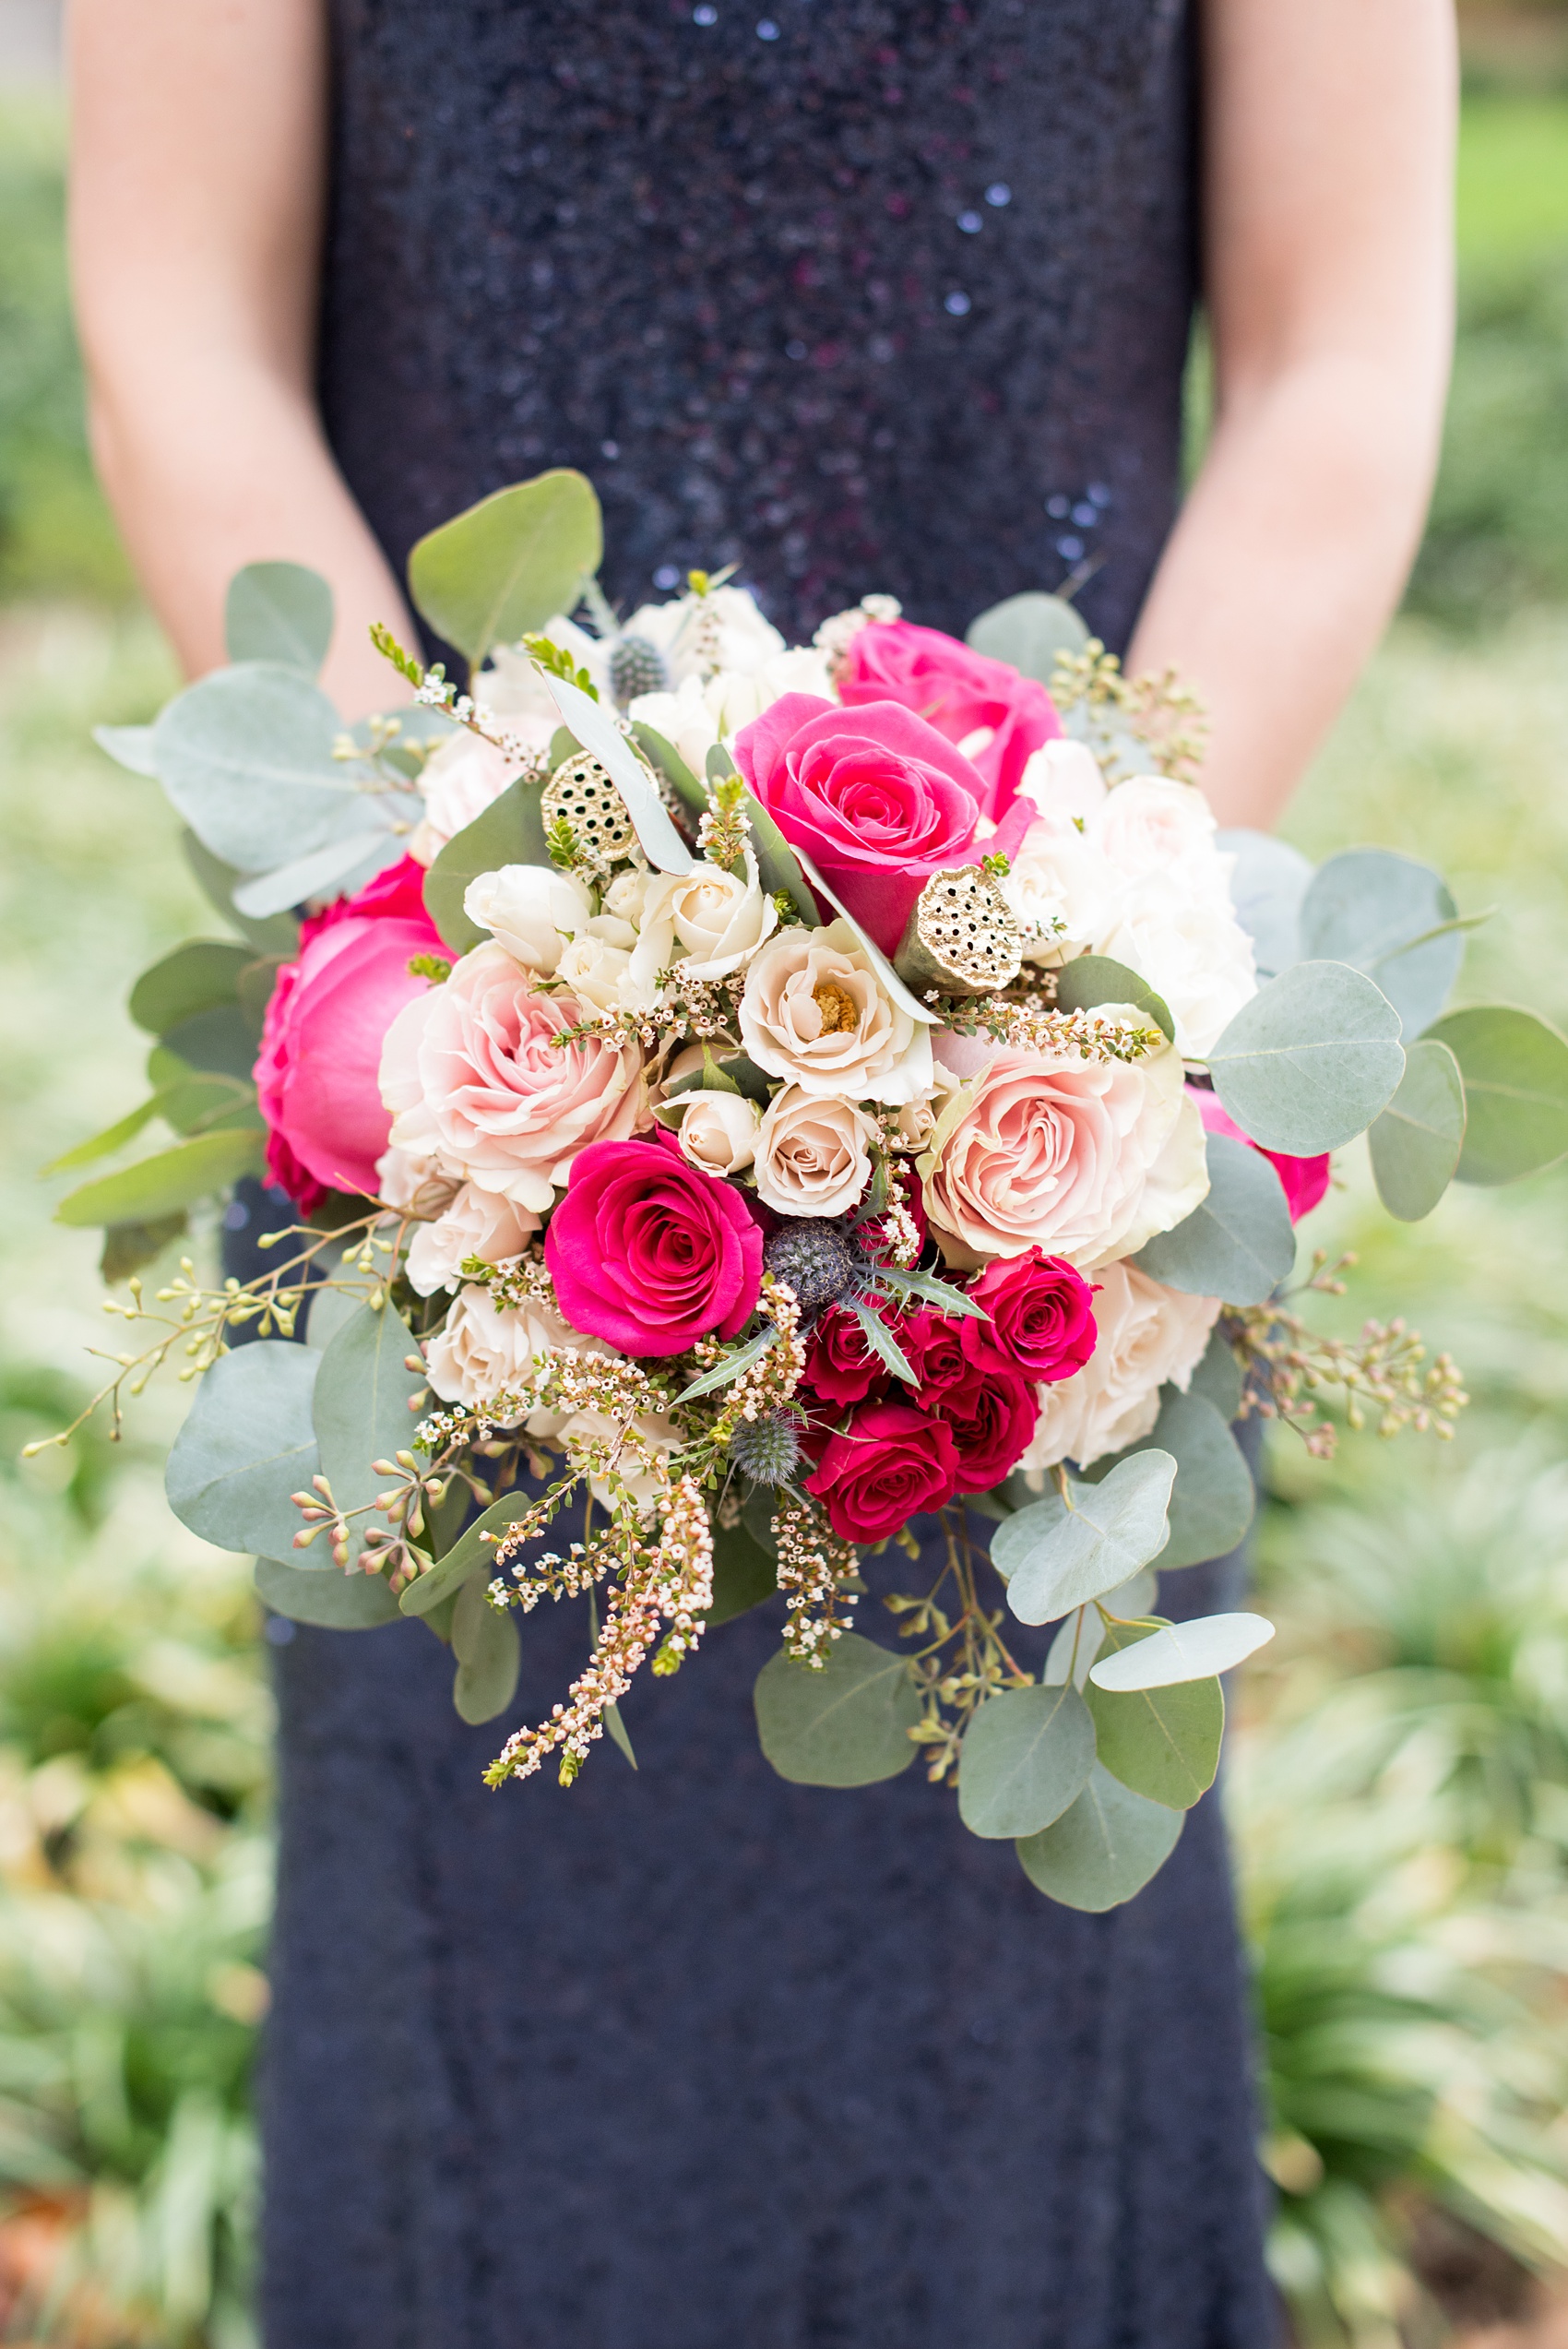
{"points": [[1328, 160], [196, 201]]}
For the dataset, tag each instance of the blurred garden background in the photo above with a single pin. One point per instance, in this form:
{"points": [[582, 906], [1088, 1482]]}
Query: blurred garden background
{"points": [[1398, 1780]]}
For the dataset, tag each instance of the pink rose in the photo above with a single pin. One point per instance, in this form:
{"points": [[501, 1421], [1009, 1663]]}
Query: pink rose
{"points": [[473, 1076], [876, 798], [890, 1462], [1305, 1179], [649, 1254], [1041, 1323], [991, 1419], [315, 1074], [961, 693]]}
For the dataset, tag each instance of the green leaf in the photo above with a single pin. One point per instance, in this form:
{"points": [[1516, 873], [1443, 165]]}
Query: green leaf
{"points": [[1515, 1072], [103, 1145], [202, 1101], [1103, 1849], [340, 1602], [469, 1555], [128, 746], [217, 1042], [1164, 1743], [1195, 1650], [197, 977], [509, 831], [882, 1343], [249, 1443], [719, 765], [1095, 979], [172, 1178], [603, 739], [1028, 631], [127, 1246], [1238, 1242], [362, 1408], [846, 1724], [1415, 1144], [671, 766], [485, 1642], [1054, 1557], [1309, 1061], [1218, 1378], [779, 868], [1026, 1756], [278, 935], [1388, 916], [278, 612], [505, 568], [338, 869], [743, 1574], [245, 755], [258, 982], [1212, 1504], [617, 1728], [724, 1373]]}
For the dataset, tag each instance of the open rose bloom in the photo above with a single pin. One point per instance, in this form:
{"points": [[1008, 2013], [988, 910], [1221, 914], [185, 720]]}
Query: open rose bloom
{"points": [[745, 1101]]}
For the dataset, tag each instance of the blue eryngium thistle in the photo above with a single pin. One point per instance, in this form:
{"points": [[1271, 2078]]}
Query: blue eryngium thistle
{"points": [[768, 1449], [636, 666], [818, 1260]]}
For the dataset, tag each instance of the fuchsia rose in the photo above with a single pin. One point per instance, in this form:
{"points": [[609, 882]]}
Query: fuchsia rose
{"points": [[890, 1462], [649, 1254], [317, 1073], [960, 693], [991, 1419], [1305, 1179], [840, 1365], [933, 1347], [876, 798], [1041, 1324]]}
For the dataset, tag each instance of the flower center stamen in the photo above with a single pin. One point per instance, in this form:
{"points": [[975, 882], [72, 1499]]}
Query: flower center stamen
{"points": [[838, 1007]]}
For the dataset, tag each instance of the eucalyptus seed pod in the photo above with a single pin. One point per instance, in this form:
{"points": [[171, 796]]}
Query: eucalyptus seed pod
{"points": [[960, 937], [635, 666], [584, 792]]}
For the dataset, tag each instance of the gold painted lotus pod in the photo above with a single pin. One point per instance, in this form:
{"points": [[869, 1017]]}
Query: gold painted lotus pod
{"points": [[585, 794], [960, 937]]}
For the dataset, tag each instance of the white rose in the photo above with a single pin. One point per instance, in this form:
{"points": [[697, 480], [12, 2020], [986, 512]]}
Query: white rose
{"points": [[699, 633], [1061, 891], [717, 1131], [1151, 824], [699, 714], [595, 972], [1149, 1336], [460, 781], [1192, 950], [627, 893], [816, 1012], [420, 1180], [1083, 1159], [1064, 780], [812, 1156], [530, 910], [716, 919], [477, 1224]]}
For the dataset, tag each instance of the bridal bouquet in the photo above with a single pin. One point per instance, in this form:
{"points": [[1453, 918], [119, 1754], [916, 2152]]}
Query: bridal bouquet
{"points": [[739, 1101]]}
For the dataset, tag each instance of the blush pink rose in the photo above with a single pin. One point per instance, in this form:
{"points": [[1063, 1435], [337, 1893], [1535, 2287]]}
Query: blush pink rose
{"points": [[1304, 1179], [876, 798], [649, 1254], [960, 693], [890, 1462], [473, 1076], [315, 1075]]}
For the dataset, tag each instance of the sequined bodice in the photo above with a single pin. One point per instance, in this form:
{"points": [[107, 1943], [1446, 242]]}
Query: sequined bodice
{"points": [[854, 294]]}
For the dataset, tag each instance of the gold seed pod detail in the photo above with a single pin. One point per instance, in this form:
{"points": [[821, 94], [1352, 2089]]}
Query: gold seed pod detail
{"points": [[960, 936], [584, 792]]}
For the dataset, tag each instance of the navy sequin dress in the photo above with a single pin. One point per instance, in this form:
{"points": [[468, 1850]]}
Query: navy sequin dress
{"points": [[858, 294]]}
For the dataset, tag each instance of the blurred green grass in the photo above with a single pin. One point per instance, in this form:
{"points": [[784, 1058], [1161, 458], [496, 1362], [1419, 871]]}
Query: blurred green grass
{"points": [[1398, 1777]]}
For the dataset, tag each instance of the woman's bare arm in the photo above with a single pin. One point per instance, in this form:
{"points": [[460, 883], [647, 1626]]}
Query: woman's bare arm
{"points": [[196, 227], [1329, 167]]}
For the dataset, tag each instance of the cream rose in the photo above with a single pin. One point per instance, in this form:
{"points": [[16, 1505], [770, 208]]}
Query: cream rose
{"points": [[417, 1181], [815, 1013], [716, 1131], [595, 972], [1085, 1158], [530, 910], [461, 779], [1151, 824], [1149, 1336], [476, 1075], [715, 919], [480, 1348], [813, 1157], [477, 1224]]}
